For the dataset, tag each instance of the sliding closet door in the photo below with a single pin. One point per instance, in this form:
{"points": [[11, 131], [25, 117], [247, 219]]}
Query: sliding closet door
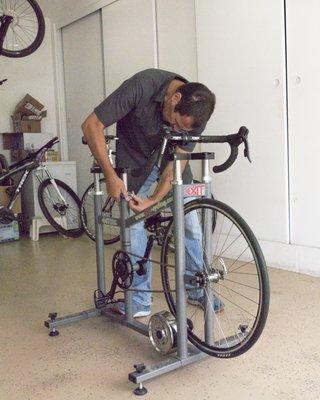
{"points": [[84, 86], [241, 57], [129, 39], [303, 33]]}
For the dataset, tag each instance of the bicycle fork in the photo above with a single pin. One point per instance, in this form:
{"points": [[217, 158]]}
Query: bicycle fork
{"points": [[5, 21], [54, 184]]}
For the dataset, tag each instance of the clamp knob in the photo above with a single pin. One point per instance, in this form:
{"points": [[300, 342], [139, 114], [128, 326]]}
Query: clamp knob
{"points": [[139, 367]]}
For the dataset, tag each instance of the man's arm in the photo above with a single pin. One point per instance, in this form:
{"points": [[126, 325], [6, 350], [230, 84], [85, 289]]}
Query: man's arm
{"points": [[164, 186], [92, 129], [112, 109]]}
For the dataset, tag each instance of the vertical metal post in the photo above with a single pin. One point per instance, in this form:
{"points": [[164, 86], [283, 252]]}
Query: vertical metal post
{"points": [[179, 243], [97, 196], [125, 244], [207, 256]]}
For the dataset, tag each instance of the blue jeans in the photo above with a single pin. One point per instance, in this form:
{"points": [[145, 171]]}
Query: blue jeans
{"points": [[193, 244]]}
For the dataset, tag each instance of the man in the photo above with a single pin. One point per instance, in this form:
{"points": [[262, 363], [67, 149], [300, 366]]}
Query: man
{"points": [[141, 106]]}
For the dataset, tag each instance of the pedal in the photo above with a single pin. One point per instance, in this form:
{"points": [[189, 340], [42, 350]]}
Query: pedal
{"points": [[142, 267], [100, 300]]}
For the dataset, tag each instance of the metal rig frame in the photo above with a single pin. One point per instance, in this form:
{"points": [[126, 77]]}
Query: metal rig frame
{"points": [[186, 353]]}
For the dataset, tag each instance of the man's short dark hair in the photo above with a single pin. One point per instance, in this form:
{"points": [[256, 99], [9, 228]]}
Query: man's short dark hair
{"points": [[197, 101]]}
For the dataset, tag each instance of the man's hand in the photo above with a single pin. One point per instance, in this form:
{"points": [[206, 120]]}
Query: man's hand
{"points": [[116, 188], [138, 204]]}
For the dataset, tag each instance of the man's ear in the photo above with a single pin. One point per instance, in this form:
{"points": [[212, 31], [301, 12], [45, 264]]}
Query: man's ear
{"points": [[176, 97]]}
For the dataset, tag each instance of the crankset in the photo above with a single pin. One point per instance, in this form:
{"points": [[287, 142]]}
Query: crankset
{"points": [[122, 270]]}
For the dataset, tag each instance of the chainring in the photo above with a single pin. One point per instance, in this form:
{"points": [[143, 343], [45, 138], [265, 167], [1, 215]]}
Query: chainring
{"points": [[122, 269]]}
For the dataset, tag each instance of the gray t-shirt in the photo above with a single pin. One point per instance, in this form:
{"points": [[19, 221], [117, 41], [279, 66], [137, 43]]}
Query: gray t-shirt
{"points": [[136, 106]]}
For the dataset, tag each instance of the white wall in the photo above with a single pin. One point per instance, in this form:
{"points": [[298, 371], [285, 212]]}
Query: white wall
{"points": [[35, 75]]}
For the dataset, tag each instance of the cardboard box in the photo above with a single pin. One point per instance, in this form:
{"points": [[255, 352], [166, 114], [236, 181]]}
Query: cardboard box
{"points": [[28, 106], [9, 232], [12, 141], [25, 140], [4, 198], [24, 124], [27, 115]]}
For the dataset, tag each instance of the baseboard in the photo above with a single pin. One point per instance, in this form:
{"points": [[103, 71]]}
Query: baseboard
{"points": [[301, 259]]}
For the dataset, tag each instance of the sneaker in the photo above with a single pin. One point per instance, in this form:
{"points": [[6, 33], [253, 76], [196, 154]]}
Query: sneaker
{"points": [[139, 310], [218, 305]]}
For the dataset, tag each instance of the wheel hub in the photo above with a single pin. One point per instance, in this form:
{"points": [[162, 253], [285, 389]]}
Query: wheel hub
{"points": [[15, 17], [60, 208]]}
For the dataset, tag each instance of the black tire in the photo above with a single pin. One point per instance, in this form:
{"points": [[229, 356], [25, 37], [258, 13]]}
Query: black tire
{"points": [[18, 27], [249, 338], [87, 215], [52, 208]]}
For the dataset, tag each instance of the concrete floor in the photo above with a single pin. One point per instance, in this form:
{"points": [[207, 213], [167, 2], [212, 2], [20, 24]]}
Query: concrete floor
{"points": [[91, 359]]}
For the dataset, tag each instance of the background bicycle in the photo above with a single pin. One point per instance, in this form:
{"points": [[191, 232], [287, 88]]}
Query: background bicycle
{"points": [[22, 27], [58, 202]]}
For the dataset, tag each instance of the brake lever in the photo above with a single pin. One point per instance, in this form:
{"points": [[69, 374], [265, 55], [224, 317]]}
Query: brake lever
{"points": [[246, 151]]}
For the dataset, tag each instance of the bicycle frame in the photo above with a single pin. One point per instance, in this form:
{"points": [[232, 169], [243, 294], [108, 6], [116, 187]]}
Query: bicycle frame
{"points": [[27, 168], [5, 22]]}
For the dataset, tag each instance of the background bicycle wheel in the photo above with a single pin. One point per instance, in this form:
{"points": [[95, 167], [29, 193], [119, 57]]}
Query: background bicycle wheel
{"points": [[111, 233], [27, 29]]}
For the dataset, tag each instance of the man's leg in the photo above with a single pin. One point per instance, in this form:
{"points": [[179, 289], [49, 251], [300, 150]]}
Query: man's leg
{"points": [[194, 257], [194, 247]]}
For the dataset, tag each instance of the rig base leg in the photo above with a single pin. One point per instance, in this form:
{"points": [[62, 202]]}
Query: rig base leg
{"points": [[140, 390]]}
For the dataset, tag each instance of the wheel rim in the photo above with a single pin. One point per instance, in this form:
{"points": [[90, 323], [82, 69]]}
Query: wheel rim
{"points": [[110, 232], [67, 216], [238, 279], [24, 28]]}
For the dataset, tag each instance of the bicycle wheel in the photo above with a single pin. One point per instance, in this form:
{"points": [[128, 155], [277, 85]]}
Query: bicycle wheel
{"points": [[26, 30], [111, 232], [235, 274], [64, 216]]}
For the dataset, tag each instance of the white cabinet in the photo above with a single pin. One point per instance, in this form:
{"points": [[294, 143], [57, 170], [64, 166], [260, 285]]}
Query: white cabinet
{"points": [[241, 57], [64, 171], [303, 32]]}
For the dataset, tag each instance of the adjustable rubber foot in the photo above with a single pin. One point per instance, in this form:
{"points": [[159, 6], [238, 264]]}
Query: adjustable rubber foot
{"points": [[53, 317], [140, 390]]}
